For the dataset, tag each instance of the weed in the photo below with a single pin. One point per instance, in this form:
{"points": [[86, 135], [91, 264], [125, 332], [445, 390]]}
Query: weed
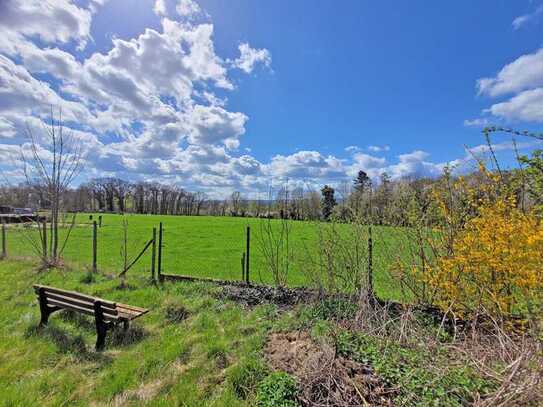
{"points": [[279, 389]]}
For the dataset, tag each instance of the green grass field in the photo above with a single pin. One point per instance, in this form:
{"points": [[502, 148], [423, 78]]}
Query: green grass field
{"points": [[194, 348], [203, 246]]}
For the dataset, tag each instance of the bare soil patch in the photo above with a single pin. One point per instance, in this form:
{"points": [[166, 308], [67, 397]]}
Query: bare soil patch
{"points": [[325, 379]]}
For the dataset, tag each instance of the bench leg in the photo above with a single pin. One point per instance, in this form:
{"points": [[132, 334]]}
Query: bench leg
{"points": [[45, 309], [101, 331], [126, 325], [101, 326]]}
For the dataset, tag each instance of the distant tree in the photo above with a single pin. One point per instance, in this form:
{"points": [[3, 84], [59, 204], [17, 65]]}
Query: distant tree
{"points": [[328, 201], [361, 181], [235, 203]]}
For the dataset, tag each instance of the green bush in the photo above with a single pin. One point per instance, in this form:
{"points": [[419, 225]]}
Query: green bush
{"points": [[279, 389], [245, 376]]}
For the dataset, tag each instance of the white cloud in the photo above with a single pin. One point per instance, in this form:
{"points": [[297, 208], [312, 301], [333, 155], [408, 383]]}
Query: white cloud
{"points": [[521, 21], [477, 122], [154, 106], [368, 162], [187, 8], [523, 78], [250, 57], [53, 21], [305, 165], [160, 8], [212, 125], [525, 72], [526, 106], [377, 149]]}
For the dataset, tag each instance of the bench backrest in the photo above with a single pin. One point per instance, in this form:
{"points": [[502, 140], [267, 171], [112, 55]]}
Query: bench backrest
{"points": [[75, 301]]}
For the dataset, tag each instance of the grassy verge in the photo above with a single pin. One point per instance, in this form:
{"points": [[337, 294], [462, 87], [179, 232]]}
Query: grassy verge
{"points": [[194, 348]]}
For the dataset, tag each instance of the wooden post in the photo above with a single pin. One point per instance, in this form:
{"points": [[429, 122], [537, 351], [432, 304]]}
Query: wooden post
{"points": [[153, 255], [243, 267], [4, 252], [370, 264], [159, 265], [94, 247], [100, 220], [247, 253]]}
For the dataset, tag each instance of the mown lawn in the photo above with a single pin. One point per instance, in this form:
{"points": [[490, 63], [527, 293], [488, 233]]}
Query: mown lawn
{"points": [[205, 246]]}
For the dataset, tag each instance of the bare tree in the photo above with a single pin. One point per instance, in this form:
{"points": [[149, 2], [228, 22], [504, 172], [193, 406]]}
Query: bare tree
{"points": [[50, 167]]}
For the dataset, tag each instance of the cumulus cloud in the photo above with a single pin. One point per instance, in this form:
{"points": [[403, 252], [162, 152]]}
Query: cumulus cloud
{"points": [[187, 8], [53, 21], [251, 57], [523, 79], [524, 73], [154, 106]]}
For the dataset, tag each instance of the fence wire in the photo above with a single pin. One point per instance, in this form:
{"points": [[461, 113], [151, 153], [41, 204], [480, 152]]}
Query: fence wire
{"points": [[207, 247]]}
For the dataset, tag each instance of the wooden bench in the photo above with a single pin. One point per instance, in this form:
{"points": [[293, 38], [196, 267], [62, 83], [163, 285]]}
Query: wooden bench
{"points": [[107, 314]]}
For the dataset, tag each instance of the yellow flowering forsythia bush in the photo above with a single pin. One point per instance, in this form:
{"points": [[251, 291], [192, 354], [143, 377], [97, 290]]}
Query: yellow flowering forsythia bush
{"points": [[495, 264]]}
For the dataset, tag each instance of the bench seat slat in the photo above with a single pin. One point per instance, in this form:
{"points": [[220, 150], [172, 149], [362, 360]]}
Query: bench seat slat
{"points": [[73, 307], [131, 307], [85, 304], [79, 304], [73, 294]]}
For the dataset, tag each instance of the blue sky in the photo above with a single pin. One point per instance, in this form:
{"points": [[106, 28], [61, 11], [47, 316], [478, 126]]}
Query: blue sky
{"points": [[232, 95]]}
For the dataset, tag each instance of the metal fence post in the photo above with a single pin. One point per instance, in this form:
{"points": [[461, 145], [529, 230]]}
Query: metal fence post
{"points": [[243, 266], [4, 252], [44, 243], [159, 268], [153, 255], [247, 253], [370, 263], [94, 247]]}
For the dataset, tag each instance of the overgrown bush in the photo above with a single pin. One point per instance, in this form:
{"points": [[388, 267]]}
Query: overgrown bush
{"points": [[279, 389], [485, 257]]}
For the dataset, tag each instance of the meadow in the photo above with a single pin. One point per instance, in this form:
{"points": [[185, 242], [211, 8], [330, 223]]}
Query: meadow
{"points": [[204, 246]]}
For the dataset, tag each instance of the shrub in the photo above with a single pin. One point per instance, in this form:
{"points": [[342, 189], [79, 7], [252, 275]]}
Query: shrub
{"points": [[279, 389], [494, 264], [245, 376]]}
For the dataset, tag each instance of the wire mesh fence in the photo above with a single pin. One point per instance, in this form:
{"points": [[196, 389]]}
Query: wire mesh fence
{"points": [[279, 252]]}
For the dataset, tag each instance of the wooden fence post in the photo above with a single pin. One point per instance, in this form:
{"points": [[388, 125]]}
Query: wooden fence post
{"points": [[4, 252], [159, 265], [100, 220], [247, 253], [153, 255], [370, 264], [94, 247]]}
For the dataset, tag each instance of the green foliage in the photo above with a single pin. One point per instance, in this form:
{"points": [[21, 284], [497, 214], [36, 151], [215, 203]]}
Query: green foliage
{"points": [[245, 376], [279, 389], [333, 308], [421, 377], [534, 175], [328, 201]]}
